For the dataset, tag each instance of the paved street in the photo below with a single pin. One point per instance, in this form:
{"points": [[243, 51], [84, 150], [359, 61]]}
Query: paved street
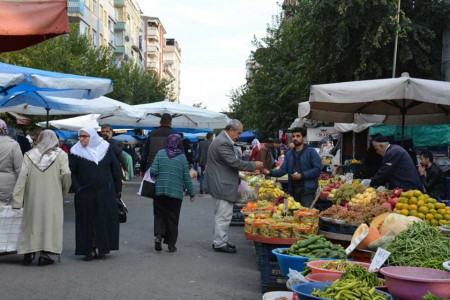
{"points": [[137, 271]]}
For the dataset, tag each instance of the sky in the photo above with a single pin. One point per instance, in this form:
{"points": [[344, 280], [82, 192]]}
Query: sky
{"points": [[215, 40]]}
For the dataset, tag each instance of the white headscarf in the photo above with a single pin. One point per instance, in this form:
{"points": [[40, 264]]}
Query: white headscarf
{"points": [[256, 143], [95, 150]]}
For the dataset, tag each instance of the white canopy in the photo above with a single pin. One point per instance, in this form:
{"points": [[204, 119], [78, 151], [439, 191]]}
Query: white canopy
{"points": [[73, 124], [418, 101], [184, 116], [71, 106]]}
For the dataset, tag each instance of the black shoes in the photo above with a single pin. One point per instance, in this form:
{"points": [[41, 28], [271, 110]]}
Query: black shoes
{"points": [[88, 257], [172, 249], [28, 258], [227, 244], [45, 260], [158, 240], [225, 249], [201, 191]]}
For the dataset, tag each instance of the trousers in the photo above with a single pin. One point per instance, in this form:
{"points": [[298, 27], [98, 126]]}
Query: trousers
{"points": [[166, 212], [300, 196], [223, 213]]}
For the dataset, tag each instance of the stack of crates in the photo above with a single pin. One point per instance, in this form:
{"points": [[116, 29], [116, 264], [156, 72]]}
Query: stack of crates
{"points": [[271, 277], [238, 219]]}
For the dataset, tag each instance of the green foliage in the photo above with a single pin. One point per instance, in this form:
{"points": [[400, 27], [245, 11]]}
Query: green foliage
{"points": [[74, 53], [326, 41]]}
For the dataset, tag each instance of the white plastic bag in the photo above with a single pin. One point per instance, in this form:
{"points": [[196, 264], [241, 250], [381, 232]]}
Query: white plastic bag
{"points": [[10, 228], [366, 182], [148, 178], [295, 277], [245, 193]]}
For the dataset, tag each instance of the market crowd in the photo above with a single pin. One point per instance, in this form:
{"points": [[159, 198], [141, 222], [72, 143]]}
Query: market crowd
{"points": [[92, 170]]}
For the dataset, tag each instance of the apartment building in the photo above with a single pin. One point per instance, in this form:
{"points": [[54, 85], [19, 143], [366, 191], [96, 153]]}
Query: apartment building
{"points": [[172, 64], [155, 45], [96, 18], [129, 32]]}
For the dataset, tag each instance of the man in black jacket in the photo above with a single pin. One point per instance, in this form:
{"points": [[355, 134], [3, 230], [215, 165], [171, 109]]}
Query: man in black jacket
{"points": [[432, 177], [107, 134], [156, 140], [202, 157], [397, 169]]}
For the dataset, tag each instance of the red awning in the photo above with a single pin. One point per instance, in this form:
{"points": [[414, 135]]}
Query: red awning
{"points": [[27, 22]]}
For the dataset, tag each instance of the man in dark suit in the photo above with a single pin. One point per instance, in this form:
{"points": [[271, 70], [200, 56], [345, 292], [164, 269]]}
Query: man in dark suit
{"points": [[222, 181], [202, 157], [107, 134], [397, 168]]}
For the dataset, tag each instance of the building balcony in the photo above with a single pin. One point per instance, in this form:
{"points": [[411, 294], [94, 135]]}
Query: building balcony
{"points": [[153, 34], [153, 65], [119, 50], [119, 3], [75, 6], [120, 26], [170, 70], [152, 50]]}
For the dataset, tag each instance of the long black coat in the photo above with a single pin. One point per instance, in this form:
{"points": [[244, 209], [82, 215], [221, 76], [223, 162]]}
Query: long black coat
{"points": [[96, 211]]}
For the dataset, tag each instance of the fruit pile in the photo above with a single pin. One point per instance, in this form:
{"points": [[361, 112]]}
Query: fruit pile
{"points": [[414, 203], [316, 246], [329, 188], [363, 198], [269, 191], [346, 192], [292, 205]]}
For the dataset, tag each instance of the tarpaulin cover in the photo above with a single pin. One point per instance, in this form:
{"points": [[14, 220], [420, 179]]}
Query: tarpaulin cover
{"points": [[25, 23], [432, 135]]}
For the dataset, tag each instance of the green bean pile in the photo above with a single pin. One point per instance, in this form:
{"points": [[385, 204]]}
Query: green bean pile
{"points": [[359, 272], [430, 296], [421, 245], [349, 289]]}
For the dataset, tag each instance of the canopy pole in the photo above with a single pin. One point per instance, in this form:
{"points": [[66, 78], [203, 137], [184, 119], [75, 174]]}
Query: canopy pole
{"points": [[394, 64], [403, 111], [48, 112]]}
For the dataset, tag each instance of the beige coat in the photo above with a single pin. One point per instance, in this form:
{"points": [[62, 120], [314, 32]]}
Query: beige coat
{"points": [[10, 163], [41, 194]]}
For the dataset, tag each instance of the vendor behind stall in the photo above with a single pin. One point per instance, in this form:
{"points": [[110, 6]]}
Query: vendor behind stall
{"points": [[432, 177], [303, 166], [397, 169]]}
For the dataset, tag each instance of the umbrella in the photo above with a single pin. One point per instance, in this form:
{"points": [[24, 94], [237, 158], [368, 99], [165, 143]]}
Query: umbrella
{"points": [[184, 116], [38, 88], [397, 101], [126, 139], [73, 124], [25, 23]]}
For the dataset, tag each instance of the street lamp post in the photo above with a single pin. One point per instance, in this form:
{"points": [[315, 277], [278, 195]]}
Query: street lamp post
{"points": [[396, 41]]}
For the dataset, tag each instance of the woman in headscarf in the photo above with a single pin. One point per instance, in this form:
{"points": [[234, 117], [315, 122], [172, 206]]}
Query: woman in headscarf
{"points": [[43, 182], [171, 170], [10, 163], [256, 146], [96, 180]]}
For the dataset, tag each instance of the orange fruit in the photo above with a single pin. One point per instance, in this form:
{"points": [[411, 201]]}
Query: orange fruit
{"points": [[402, 200], [438, 217], [421, 216], [405, 206], [433, 211], [413, 213], [433, 200], [417, 193], [413, 200], [434, 222], [447, 217], [423, 209], [430, 205], [442, 211], [420, 203], [440, 205], [412, 207], [404, 212], [410, 194], [443, 222], [399, 206], [429, 217]]}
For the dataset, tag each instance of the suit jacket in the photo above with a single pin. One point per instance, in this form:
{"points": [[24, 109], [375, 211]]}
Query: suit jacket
{"points": [[156, 140], [434, 182], [222, 171], [203, 147]]}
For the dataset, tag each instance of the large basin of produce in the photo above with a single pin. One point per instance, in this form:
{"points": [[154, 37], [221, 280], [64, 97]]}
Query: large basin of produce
{"points": [[323, 277], [413, 283], [304, 290], [297, 263], [314, 265]]}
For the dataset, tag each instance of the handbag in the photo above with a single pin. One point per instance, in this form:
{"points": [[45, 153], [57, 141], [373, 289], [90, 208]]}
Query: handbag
{"points": [[148, 188], [123, 210]]}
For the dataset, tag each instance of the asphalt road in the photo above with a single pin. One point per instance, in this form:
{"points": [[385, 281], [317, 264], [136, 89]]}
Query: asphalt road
{"points": [[195, 271]]}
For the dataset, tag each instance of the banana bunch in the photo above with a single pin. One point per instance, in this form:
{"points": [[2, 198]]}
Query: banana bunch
{"points": [[292, 205]]}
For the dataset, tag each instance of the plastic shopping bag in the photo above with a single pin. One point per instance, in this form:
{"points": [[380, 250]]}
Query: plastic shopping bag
{"points": [[245, 193], [295, 277], [147, 188], [193, 173], [10, 223]]}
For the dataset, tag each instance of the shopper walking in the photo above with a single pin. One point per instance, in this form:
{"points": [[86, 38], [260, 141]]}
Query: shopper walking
{"points": [[10, 163], [97, 183], [43, 182], [203, 156], [222, 180], [171, 170], [107, 134], [256, 145], [156, 140]]}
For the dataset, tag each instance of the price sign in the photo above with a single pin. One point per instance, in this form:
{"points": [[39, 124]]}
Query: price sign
{"points": [[380, 257], [356, 242], [286, 206]]}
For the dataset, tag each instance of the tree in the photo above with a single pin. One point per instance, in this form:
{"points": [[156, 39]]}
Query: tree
{"points": [[199, 105], [75, 54], [326, 41]]}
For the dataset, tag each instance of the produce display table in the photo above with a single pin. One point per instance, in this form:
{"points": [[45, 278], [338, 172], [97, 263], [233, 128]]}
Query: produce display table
{"points": [[272, 241]]}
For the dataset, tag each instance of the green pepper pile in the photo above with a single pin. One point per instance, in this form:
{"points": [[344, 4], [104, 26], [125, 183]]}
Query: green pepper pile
{"points": [[349, 289], [315, 246], [359, 272], [430, 296]]}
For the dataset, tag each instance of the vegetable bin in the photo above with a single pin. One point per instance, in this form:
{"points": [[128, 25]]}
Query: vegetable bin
{"points": [[304, 290]]}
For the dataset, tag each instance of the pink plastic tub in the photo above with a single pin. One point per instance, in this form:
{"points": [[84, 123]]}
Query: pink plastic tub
{"points": [[323, 277], [315, 263], [412, 283]]}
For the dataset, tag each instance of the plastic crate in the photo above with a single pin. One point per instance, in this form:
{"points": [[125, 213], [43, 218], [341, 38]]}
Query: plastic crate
{"points": [[337, 228], [271, 277]]}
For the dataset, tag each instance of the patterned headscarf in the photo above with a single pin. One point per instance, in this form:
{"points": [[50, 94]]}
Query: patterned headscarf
{"points": [[174, 145], [3, 128], [46, 141]]}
